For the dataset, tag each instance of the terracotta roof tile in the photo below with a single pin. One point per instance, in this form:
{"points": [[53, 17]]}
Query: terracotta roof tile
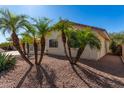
{"points": [[101, 31]]}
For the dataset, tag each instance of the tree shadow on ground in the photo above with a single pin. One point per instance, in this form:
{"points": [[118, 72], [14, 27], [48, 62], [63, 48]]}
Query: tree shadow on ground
{"points": [[41, 72], [78, 74], [57, 56], [49, 75], [94, 78], [23, 78], [107, 64]]}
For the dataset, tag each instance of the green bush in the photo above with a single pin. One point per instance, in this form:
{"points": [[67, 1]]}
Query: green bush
{"points": [[6, 45], [113, 46], [74, 42], [116, 48], [6, 61]]}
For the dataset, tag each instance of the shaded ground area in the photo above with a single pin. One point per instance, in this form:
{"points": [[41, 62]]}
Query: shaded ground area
{"points": [[110, 64], [57, 72]]}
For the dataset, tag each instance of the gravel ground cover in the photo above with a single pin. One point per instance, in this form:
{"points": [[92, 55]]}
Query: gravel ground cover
{"points": [[57, 72]]}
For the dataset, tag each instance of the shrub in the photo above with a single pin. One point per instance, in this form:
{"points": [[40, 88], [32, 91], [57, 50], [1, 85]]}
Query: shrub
{"points": [[113, 46], [119, 50], [6, 61], [116, 48], [6, 45]]}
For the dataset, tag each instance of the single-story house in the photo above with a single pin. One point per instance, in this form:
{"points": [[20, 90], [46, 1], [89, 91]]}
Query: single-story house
{"points": [[54, 44]]}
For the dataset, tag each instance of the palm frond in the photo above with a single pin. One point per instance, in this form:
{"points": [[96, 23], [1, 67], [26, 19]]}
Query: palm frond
{"points": [[10, 22], [81, 38]]}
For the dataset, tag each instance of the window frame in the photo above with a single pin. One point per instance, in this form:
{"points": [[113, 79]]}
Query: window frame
{"points": [[54, 42]]}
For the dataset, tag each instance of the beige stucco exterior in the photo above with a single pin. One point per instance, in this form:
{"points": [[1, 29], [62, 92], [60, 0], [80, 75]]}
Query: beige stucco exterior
{"points": [[91, 54]]}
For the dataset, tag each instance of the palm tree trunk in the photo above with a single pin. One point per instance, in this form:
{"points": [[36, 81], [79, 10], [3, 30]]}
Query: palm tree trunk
{"points": [[79, 52], [69, 50], [64, 45], [27, 44], [35, 51], [17, 46], [42, 42], [23, 47]]}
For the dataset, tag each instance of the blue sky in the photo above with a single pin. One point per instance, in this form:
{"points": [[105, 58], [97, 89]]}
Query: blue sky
{"points": [[110, 18]]}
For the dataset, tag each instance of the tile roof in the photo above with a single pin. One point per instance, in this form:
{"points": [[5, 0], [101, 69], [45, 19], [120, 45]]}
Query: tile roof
{"points": [[101, 31]]}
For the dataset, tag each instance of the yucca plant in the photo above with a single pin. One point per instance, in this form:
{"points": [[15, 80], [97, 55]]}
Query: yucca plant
{"points": [[6, 61]]}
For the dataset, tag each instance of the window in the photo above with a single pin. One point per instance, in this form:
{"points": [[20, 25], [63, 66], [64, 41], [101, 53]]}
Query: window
{"points": [[53, 43]]}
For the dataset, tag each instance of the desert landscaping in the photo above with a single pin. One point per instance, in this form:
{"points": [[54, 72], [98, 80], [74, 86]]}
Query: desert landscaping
{"points": [[56, 72], [41, 53]]}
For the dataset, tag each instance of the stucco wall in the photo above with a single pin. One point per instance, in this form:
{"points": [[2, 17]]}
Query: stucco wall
{"points": [[108, 45], [90, 53], [102, 51], [87, 54], [59, 50]]}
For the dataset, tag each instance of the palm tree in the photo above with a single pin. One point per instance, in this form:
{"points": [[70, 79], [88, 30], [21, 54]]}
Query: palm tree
{"points": [[43, 27], [12, 23], [38, 31], [23, 45], [32, 33], [86, 37], [25, 41], [62, 26], [80, 38]]}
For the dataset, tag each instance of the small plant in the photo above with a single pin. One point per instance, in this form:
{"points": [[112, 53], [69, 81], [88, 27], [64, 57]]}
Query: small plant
{"points": [[6, 45], [113, 46], [116, 48], [6, 61]]}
